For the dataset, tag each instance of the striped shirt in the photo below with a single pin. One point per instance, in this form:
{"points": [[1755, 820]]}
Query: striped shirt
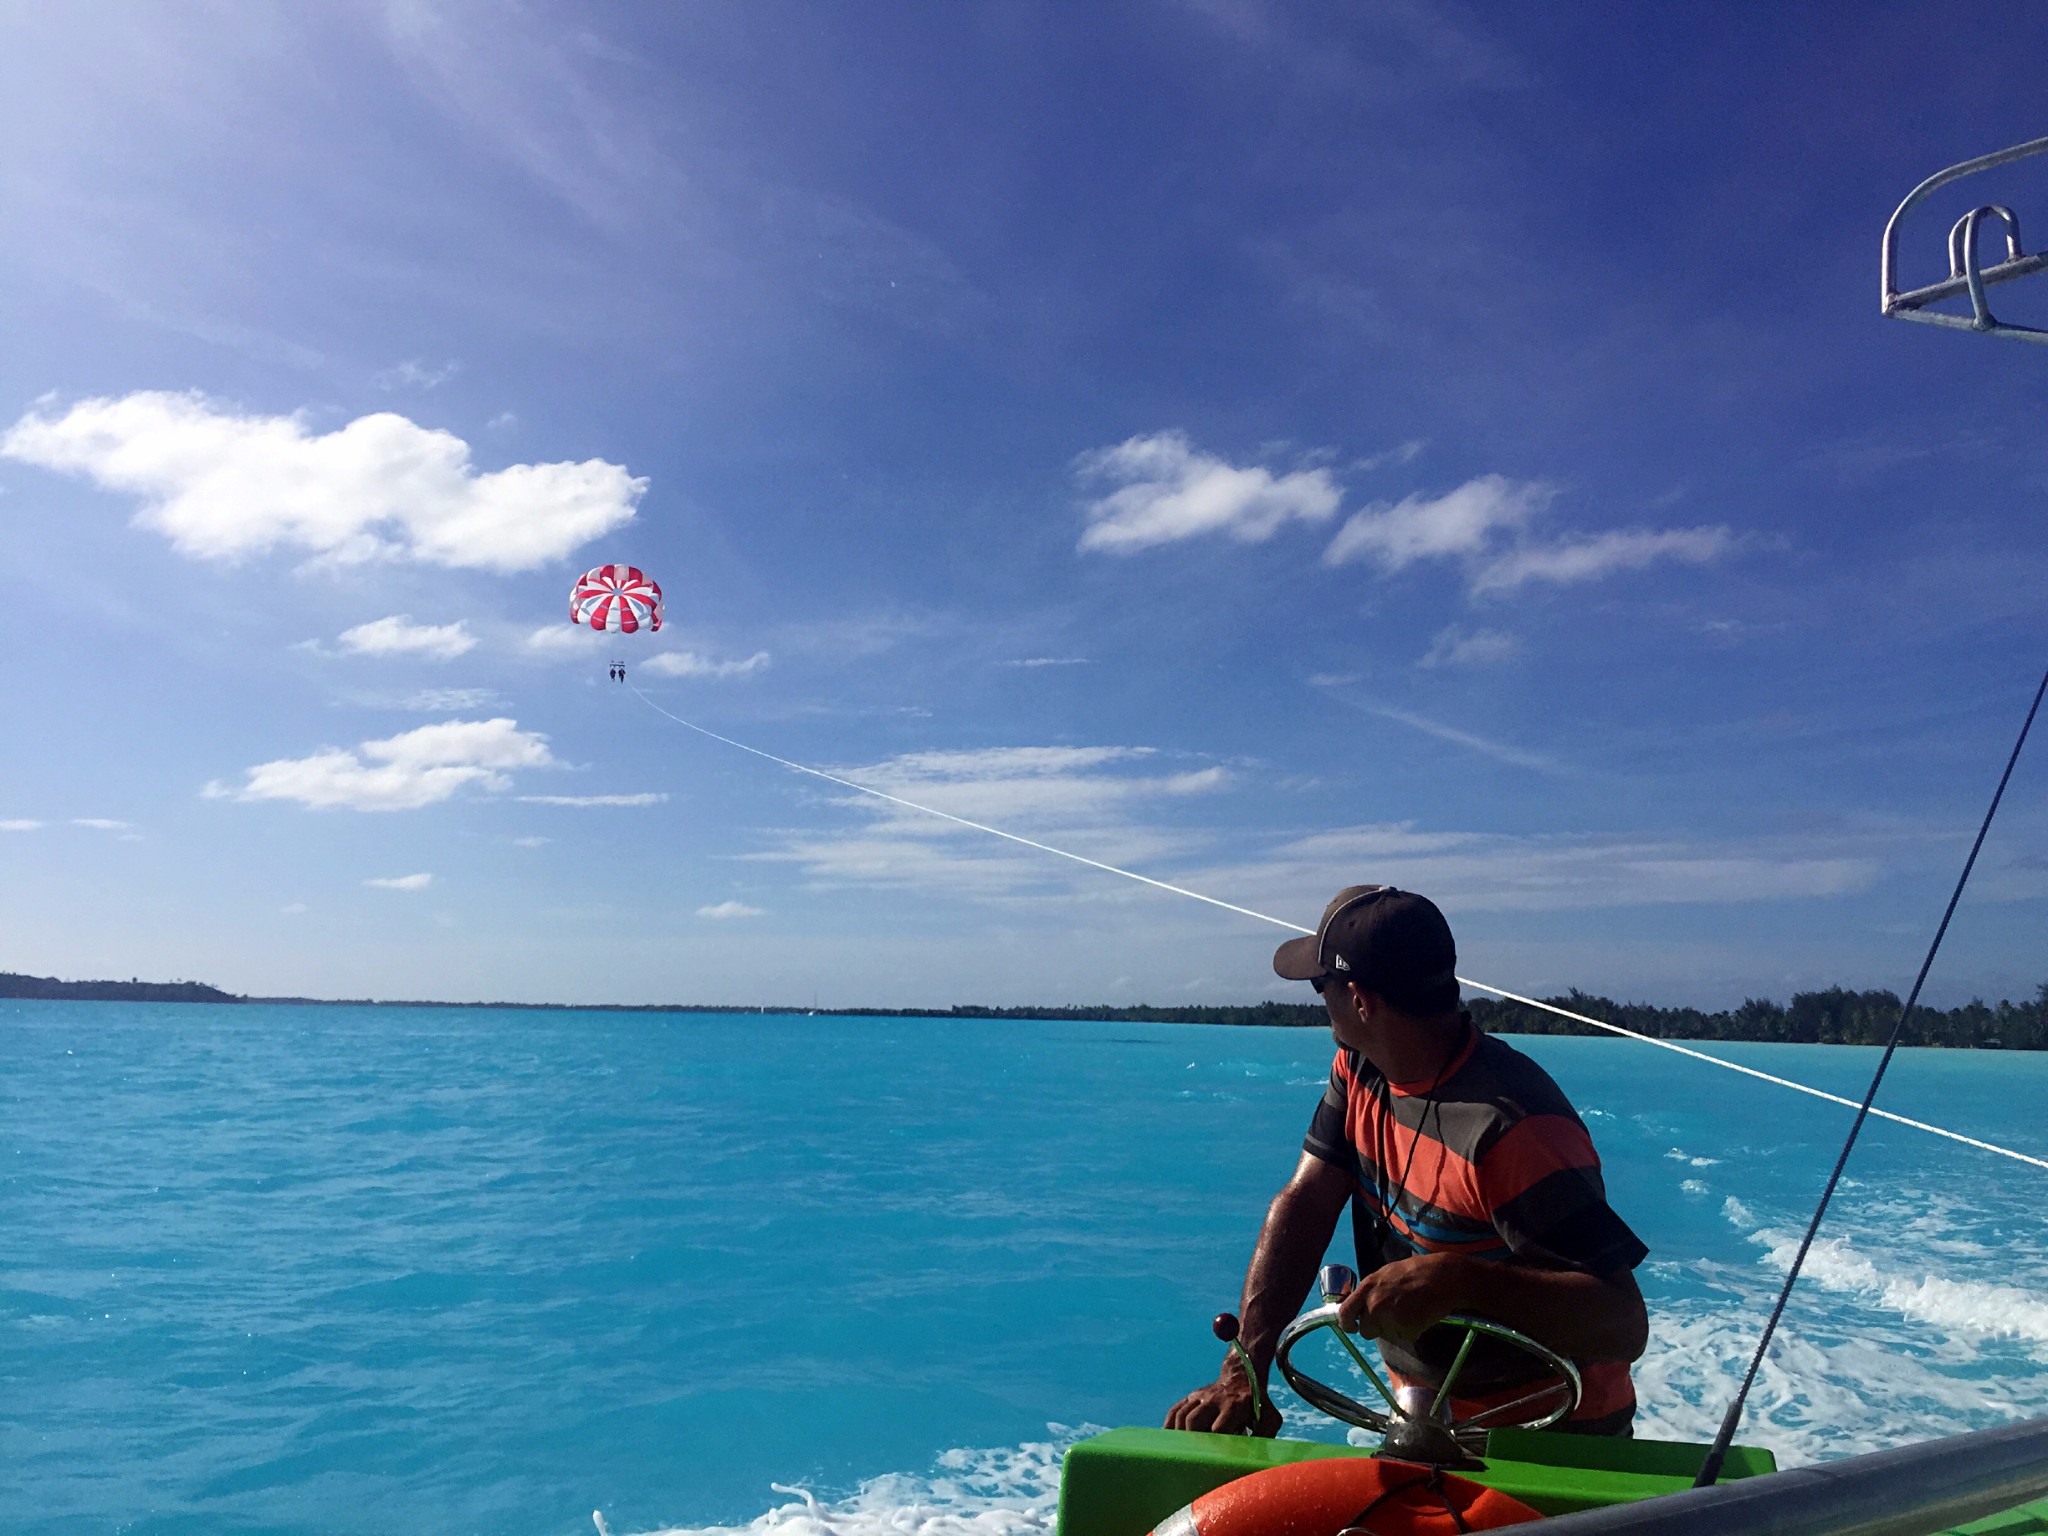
{"points": [[1492, 1163]]}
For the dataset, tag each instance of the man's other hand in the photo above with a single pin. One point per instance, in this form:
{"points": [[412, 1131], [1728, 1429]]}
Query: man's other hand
{"points": [[1224, 1407], [1399, 1300]]}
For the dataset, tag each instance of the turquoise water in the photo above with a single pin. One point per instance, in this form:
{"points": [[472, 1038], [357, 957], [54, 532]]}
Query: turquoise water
{"points": [[362, 1269]]}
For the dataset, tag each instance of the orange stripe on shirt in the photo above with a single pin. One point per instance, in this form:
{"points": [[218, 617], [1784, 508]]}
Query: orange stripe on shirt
{"points": [[1416, 1161], [1529, 1153]]}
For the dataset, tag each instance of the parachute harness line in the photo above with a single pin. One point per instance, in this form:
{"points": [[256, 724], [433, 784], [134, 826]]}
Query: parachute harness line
{"points": [[1710, 1469], [1281, 922]]}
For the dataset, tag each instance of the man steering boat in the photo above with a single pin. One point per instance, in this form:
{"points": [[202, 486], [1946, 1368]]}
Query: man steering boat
{"points": [[1474, 1189]]}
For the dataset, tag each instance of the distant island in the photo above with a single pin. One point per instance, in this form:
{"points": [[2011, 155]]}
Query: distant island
{"points": [[1836, 1016], [13, 984]]}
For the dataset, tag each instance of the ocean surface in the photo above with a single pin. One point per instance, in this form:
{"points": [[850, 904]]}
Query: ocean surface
{"points": [[268, 1269]]}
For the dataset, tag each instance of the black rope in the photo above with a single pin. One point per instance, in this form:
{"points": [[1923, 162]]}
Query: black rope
{"points": [[1711, 1468]]}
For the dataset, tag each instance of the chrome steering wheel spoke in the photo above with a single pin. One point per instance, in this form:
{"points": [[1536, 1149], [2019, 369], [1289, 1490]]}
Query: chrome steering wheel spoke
{"points": [[1567, 1389]]}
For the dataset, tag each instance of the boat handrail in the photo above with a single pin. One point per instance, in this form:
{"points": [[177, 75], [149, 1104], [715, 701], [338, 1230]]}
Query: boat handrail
{"points": [[1913, 1490], [1967, 274]]}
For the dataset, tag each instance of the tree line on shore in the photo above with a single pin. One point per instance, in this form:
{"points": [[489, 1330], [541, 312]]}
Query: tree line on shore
{"points": [[49, 989], [1836, 1016]]}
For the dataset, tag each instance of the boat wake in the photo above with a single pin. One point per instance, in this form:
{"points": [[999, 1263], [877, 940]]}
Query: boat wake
{"points": [[1831, 1387], [1896, 1357], [1966, 1308], [1013, 1491]]}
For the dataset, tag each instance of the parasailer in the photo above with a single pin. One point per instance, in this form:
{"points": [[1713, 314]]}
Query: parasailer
{"points": [[620, 597]]}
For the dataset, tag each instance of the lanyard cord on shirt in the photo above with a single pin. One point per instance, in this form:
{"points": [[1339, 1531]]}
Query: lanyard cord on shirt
{"points": [[1429, 1102]]}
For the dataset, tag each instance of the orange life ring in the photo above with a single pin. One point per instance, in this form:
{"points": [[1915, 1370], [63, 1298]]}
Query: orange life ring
{"points": [[1338, 1493]]}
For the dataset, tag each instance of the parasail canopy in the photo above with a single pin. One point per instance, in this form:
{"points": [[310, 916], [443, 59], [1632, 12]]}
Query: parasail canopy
{"points": [[621, 597]]}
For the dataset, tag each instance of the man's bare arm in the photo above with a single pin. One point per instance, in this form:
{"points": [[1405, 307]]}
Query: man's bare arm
{"points": [[1589, 1317], [1297, 1232]]}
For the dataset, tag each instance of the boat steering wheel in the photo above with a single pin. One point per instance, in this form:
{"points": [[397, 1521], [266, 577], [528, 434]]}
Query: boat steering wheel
{"points": [[1436, 1434]]}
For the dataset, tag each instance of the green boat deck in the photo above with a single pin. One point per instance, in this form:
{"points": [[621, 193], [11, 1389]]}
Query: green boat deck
{"points": [[1124, 1482]]}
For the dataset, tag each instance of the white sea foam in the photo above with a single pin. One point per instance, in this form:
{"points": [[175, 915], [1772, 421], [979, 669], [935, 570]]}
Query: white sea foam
{"points": [[1971, 1308], [1693, 1187], [1815, 1398], [1012, 1491], [1680, 1155]]}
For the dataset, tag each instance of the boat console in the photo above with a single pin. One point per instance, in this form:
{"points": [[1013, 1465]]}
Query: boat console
{"points": [[1126, 1481], [1131, 1482]]}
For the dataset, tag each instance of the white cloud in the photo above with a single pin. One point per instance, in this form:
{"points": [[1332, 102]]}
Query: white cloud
{"points": [[649, 798], [443, 701], [1485, 746], [1048, 661], [1405, 453], [105, 824], [19, 824], [399, 636], [1455, 647], [1602, 554], [566, 639], [531, 842], [1484, 523], [1168, 490], [690, 664], [400, 773], [728, 909], [401, 882], [1469, 871], [223, 485], [1478, 871], [868, 635], [292, 908], [1460, 522], [414, 374], [1030, 784], [1087, 799]]}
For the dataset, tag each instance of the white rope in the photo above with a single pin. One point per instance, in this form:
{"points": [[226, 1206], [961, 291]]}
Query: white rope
{"points": [[1782, 1082], [833, 778], [1281, 922]]}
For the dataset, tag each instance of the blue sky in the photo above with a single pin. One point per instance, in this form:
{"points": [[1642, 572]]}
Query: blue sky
{"points": [[1266, 447]]}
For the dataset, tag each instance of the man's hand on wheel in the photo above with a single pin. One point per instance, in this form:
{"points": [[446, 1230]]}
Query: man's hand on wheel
{"points": [[1224, 1407], [1398, 1301]]}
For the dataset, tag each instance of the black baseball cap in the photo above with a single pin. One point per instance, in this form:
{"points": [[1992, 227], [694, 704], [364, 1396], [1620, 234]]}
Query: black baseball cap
{"points": [[1388, 941]]}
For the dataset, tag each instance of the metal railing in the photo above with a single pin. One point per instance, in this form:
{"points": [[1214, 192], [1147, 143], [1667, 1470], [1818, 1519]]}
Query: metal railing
{"points": [[1967, 273], [1912, 1491]]}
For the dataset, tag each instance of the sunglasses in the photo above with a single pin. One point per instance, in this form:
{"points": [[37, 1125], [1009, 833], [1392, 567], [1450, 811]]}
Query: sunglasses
{"points": [[1320, 982]]}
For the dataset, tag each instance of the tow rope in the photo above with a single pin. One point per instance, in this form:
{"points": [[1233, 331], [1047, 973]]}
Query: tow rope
{"points": [[1281, 922]]}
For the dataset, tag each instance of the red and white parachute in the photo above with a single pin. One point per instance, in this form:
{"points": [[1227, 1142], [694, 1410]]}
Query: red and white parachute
{"points": [[621, 597]]}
